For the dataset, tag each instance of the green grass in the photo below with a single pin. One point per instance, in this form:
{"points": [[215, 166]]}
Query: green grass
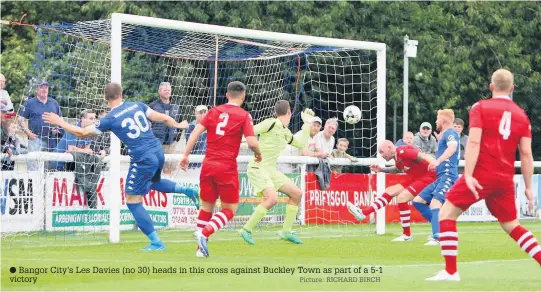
{"points": [[488, 260]]}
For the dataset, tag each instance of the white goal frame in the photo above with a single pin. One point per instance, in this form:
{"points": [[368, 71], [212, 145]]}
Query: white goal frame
{"points": [[117, 19]]}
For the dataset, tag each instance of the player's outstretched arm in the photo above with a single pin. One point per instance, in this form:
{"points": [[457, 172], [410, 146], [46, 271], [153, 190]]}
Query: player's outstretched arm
{"points": [[199, 129], [300, 142], [472, 151], [167, 120], [425, 157], [79, 132], [392, 169]]}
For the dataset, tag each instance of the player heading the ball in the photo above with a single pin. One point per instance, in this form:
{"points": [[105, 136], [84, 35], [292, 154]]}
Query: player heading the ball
{"points": [[497, 126], [264, 175], [408, 158], [219, 178], [129, 122]]}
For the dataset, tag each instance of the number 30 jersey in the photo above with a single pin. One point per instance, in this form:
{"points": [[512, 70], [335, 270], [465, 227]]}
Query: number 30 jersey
{"points": [[503, 123], [225, 126], [129, 123]]}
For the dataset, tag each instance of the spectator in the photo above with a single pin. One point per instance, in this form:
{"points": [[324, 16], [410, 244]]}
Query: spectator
{"points": [[201, 145], [310, 149], [459, 127], [41, 136], [424, 140], [11, 145], [69, 143], [166, 135], [340, 152], [407, 139], [4, 97], [324, 140]]}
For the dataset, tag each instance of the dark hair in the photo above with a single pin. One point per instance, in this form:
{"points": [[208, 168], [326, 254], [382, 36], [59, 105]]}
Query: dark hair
{"points": [[112, 91], [459, 122], [282, 107], [236, 88]]}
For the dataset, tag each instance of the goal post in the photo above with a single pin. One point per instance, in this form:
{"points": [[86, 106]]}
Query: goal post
{"points": [[117, 21]]}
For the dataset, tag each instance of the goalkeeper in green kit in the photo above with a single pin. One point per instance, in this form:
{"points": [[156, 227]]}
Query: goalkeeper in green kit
{"points": [[264, 176]]}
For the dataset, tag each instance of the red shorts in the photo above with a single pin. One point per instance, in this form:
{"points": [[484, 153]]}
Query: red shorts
{"points": [[498, 193], [416, 184], [223, 185]]}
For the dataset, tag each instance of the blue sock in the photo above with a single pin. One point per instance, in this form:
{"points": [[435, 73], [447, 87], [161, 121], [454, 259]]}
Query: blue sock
{"points": [[436, 223], [168, 186], [424, 210], [142, 219]]}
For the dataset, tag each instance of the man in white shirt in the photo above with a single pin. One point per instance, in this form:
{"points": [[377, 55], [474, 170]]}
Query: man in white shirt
{"points": [[4, 97], [325, 139]]}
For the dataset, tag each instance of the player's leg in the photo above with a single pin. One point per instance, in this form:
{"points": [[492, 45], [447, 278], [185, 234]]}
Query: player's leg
{"points": [[382, 201], [444, 184], [292, 208], [227, 185], [262, 184], [209, 195], [458, 198], [502, 206], [138, 183], [167, 186], [422, 201], [403, 198], [144, 222]]}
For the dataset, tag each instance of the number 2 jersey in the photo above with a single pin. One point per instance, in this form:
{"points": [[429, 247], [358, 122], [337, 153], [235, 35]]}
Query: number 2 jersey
{"points": [[503, 123], [129, 123], [225, 126]]}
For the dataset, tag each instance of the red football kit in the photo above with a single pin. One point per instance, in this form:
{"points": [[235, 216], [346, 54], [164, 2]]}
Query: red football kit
{"points": [[503, 123], [417, 171], [219, 178]]}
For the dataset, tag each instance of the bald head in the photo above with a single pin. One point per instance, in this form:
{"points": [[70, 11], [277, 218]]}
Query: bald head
{"points": [[387, 150], [502, 81]]}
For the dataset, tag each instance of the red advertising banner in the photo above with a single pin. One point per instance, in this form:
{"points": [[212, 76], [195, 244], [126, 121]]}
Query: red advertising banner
{"points": [[329, 206]]}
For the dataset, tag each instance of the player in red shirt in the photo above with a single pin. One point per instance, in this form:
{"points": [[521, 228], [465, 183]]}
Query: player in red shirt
{"points": [[219, 178], [409, 159], [497, 127]]}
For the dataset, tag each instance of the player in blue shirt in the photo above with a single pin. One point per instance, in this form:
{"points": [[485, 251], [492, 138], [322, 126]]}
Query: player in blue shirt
{"points": [[129, 121], [446, 167]]}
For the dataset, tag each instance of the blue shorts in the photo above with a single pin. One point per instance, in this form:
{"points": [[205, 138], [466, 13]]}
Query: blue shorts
{"points": [[144, 171], [438, 188]]}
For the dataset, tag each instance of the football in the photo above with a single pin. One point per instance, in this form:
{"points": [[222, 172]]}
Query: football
{"points": [[352, 114]]}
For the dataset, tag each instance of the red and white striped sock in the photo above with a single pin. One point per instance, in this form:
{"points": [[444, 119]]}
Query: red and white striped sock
{"points": [[527, 242], [218, 221], [449, 244], [378, 204], [203, 219], [405, 216]]}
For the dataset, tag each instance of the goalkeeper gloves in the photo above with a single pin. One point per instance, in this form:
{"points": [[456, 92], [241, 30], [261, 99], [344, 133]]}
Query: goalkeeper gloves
{"points": [[307, 116]]}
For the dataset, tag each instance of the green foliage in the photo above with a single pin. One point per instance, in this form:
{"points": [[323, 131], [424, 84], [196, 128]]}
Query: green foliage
{"points": [[460, 43]]}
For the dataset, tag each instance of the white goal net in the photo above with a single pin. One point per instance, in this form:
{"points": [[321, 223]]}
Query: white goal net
{"points": [[197, 61]]}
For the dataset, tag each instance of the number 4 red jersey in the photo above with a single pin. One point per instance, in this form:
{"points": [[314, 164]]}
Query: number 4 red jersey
{"points": [[225, 126], [503, 123]]}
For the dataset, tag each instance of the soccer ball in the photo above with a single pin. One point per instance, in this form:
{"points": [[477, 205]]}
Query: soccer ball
{"points": [[352, 114]]}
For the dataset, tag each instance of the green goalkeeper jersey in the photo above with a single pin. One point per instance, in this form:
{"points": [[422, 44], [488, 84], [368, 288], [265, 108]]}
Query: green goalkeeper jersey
{"points": [[273, 138]]}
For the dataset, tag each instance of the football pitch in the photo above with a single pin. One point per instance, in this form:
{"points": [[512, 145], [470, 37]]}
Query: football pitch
{"points": [[329, 259]]}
